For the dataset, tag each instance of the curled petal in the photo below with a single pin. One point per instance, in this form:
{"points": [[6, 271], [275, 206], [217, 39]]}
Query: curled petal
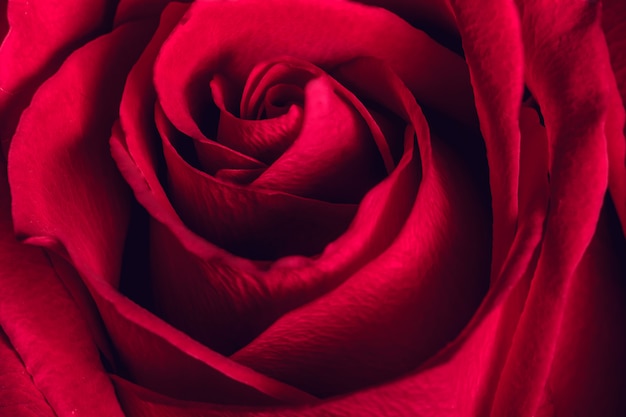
{"points": [[490, 31], [434, 74], [614, 26], [333, 344]]}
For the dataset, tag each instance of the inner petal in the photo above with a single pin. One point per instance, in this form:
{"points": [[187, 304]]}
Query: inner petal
{"points": [[246, 221], [265, 140], [279, 99], [265, 78], [334, 158]]}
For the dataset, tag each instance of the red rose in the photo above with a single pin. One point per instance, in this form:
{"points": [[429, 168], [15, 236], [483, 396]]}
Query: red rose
{"points": [[312, 207]]}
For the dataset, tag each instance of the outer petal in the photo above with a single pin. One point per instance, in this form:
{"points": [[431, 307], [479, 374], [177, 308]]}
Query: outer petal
{"points": [[398, 309], [490, 31], [46, 329], [587, 376], [64, 184], [42, 34], [19, 397], [435, 17], [251, 222], [574, 102], [128, 10], [4, 23]]}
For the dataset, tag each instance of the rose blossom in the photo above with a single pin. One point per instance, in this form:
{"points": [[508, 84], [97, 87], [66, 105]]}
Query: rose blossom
{"points": [[312, 207]]}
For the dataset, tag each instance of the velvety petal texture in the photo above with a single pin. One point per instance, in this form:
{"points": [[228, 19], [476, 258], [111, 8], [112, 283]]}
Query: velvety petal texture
{"points": [[18, 396], [58, 367], [42, 34], [497, 78], [312, 208]]}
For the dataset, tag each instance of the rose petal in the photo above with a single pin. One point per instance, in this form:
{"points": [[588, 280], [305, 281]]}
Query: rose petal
{"points": [[587, 374], [264, 76], [213, 156], [4, 23], [614, 26], [131, 328], [162, 358], [42, 35], [334, 158], [450, 384], [157, 355], [264, 139], [381, 323], [18, 396], [434, 17], [493, 49], [60, 149], [489, 335], [613, 23], [128, 10], [285, 286], [47, 330], [211, 153], [224, 301], [239, 176], [574, 105], [439, 80], [254, 223]]}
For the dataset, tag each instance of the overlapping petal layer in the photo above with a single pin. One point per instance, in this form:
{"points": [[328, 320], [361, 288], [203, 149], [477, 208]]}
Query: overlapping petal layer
{"points": [[402, 281], [44, 325], [42, 34], [228, 300]]}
